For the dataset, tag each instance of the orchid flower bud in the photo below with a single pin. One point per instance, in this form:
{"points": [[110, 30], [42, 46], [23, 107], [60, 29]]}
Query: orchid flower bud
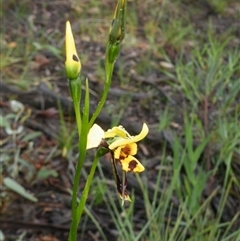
{"points": [[72, 63]]}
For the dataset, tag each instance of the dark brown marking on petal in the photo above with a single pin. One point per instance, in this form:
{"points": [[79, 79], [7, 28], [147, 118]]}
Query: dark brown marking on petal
{"points": [[126, 150], [75, 58], [122, 156], [132, 165]]}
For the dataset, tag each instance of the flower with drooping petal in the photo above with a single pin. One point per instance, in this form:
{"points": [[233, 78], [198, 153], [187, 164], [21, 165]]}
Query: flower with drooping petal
{"points": [[121, 143], [122, 147], [72, 63]]}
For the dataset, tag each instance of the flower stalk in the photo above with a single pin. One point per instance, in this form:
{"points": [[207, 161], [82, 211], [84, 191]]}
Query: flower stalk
{"points": [[116, 35], [121, 145]]}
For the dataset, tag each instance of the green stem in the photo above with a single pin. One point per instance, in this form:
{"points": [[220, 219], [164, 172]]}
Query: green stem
{"points": [[86, 189], [109, 65], [75, 205], [75, 89]]}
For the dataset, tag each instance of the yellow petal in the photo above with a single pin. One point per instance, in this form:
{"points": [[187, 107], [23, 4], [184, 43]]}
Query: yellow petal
{"points": [[131, 164], [116, 131], [117, 152], [72, 64], [95, 136], [123, 151], [122, 141], [130, 149]]}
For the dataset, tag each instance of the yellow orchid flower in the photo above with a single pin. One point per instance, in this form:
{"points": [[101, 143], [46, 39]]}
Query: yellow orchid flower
{"points": [[72, 63], [121, 143], [122, 147]]}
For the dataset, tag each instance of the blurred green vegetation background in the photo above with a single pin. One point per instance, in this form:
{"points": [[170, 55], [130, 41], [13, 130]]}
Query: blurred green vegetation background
{"points": [[178, 71]]}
